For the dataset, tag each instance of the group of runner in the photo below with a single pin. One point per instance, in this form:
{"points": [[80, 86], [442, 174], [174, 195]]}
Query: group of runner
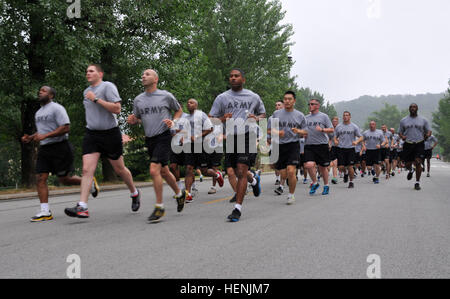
{"points": [[198, 140]]}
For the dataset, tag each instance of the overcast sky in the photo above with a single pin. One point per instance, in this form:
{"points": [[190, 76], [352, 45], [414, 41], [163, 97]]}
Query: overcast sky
{"points": [[348, 48]]}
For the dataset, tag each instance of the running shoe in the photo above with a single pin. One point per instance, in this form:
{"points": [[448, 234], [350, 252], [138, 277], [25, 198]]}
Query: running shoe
{"points": [[376, 180], [345, 178], [428, 175], [212, 190], [95, 189], [290, 199], [219, 179], [334, 181], [326, 190], [180, 200], [410, 175], [279, 190], [314, 189], [233, 199], [42, 216], [156, 215], [189, 198], [305, 181], [417, 186], [136, 201], [257, 187], [351, 185], [373, 171], [234, 216], [201, 178], [77, 211]]}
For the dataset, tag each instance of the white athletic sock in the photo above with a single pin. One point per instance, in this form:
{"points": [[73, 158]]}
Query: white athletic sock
{"points": [[254, 182], [278, 177], [83, 204], [179, 194], [238, 206], [45, 207], [160, 205], [135, 193], [417, 182]]}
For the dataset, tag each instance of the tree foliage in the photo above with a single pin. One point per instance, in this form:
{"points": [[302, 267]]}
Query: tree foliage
{"points": [[441, 124], [192, 44]]}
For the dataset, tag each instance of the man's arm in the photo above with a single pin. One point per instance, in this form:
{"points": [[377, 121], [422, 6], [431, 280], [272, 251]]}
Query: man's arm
{"points": [[58, 132]]}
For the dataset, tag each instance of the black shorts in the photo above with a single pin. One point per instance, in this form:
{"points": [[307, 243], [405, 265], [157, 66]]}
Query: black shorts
{"points": [[318, 153], [214, 159], [384, 152], [107, 142], [333, 153], [289, 155], [346, 156], [159, 148], [411, 151], [55, 158], [194, 159], [233, 157], [373, 157], [393, 155], [358, 158], [428, 153], [176, 158]]}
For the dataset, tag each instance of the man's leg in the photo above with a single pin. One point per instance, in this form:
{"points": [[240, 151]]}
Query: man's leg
{"points": [[89, 165], [155, 173], [291, 175], [42, 187], [124, 173]]}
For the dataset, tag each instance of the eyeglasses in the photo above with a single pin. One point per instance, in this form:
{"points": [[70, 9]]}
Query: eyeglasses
{"points": [[312, 104]]}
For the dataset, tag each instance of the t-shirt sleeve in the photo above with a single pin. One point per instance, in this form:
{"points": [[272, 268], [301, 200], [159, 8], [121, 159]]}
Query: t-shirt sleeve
{"points": [[136, 110], [260, 108], [173, 103], [61, 117], [112, 94], [217, 108], [207, 124], [327, 122]]}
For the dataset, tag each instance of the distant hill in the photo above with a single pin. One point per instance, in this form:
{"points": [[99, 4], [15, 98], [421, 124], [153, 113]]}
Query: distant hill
{"points": [[362, 107]]}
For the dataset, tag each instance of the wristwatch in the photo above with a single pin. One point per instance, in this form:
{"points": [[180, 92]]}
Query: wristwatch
{"points": [[96, 100]]}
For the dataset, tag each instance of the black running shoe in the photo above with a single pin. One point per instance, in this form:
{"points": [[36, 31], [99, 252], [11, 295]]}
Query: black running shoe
{"points": [[351, 185], [410, 175], [180, 200], [234, 216], [136, 201], [257, 187], [279, 190], [77, 211], [233, 199], [156, 215], [417, 186]]}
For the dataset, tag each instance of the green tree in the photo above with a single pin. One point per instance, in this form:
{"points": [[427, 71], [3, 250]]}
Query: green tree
{"points": [[441, 125]]}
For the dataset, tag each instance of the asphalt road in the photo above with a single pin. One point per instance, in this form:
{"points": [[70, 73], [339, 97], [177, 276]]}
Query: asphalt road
{"points": [[331, 236]]}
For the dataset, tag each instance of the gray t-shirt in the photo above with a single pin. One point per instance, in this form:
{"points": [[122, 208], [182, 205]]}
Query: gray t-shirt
{"points": [[346, 134], [373, 138], [97, 117], [197, 122], [50, 117], [314, 136], [389, 137], [414, 128], [430, 142], [153, 108], [240, 104], [287, 121]]}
